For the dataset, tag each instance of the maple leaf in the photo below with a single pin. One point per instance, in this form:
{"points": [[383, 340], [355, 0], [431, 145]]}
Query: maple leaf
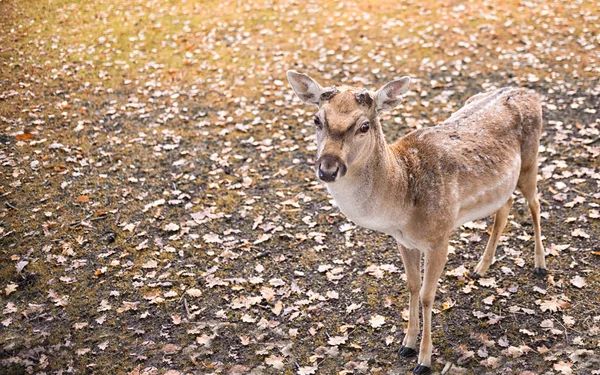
{"points": [[248, 318], [578, 232], [212, 238], [568, 320], [171, 227], [563, 367], [460, 271], [307, 370], [275, 361], [353, 307], [489, 282], [489, 300], [194, 292], [103, 345], [377, 321], [10, 288], [337, 340], [554, 304]]}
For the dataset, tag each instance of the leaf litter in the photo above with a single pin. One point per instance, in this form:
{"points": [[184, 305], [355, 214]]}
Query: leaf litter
{"points": [[160, 214]]}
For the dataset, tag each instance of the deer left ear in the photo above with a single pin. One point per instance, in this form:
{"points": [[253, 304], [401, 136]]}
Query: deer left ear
{"points": [[307, 89], [389, 96]]}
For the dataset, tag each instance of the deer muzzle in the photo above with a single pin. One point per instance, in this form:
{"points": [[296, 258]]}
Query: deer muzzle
{"points": [[330, 167]]}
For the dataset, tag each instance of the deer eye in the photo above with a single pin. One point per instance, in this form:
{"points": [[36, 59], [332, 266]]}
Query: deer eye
{"points": [[364, 127], [318, 122]]}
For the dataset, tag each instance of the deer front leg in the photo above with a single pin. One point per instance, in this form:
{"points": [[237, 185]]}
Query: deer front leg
{"points": [[435, 260], [412, 265]]}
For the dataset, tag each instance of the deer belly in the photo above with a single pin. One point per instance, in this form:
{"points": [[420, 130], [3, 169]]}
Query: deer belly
{"points": [[487, 200]]}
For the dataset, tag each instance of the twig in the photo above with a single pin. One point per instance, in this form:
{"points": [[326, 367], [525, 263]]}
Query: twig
{"points": [[565, 329], [581, 192], [99, 217], [187, 310], [78, 223], [11, 206]]}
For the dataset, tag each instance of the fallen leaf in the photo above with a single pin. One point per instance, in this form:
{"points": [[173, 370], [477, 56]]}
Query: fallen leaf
{"points": [[307, 370], [193, 292], [578, 281], [10, 288], [171, 227], [563, 367], [337, 340], [578, 232], [83, 198], [24, 136], [275, 361], [377, 321]]}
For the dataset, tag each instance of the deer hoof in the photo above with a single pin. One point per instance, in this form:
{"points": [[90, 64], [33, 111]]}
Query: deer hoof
{"points": [[422, 370], [540, 271], [475, 276], [407, 352]]}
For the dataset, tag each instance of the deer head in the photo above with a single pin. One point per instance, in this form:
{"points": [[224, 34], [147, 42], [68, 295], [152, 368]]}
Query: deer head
{"points": [[347, 124]]}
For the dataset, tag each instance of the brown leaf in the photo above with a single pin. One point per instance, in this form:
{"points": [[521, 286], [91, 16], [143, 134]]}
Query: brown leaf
{"points": [[24, 136], [83, 198], [170, 349]]}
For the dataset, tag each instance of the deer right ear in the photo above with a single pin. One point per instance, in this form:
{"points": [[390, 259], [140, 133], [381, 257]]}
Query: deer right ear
{"points": [[307, 89], [389, 96]]}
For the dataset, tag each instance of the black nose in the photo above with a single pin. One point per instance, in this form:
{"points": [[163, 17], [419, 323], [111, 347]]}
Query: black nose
{"points": [[328, 176], [330, 167]]}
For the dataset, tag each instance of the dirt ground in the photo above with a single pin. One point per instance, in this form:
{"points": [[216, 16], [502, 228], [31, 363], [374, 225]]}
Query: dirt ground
{"points": [[159, 212]]}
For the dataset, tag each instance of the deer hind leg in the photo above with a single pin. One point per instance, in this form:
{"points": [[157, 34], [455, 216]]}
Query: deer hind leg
{"points": [[528, 186], [412, 264], [490, 249], [435, 260]]}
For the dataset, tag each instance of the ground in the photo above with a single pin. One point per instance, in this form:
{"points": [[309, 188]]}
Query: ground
{"points": [[159, 213]]}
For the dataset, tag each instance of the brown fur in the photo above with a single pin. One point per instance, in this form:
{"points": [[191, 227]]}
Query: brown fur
{"points": [[432, 180]]}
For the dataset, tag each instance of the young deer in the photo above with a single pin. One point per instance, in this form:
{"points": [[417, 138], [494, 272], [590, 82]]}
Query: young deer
{"points": [[430, 181]]}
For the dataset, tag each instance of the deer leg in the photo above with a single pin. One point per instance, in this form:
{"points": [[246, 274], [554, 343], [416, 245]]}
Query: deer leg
{"points": [[528, 186], [490, 249], [412, 264], [435, 260]]}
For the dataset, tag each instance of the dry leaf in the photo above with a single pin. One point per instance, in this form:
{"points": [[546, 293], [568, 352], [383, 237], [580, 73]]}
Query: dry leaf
{"points": [[10, 288], [578, 281], [563, 367], [275, 361], [377, 321], [337, 340]]}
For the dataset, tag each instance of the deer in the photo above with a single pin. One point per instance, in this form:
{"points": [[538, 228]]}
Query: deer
{"points": [[429, 182]]}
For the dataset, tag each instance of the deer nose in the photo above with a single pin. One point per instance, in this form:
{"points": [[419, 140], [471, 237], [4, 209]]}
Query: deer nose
{"points": [[330, 168]]}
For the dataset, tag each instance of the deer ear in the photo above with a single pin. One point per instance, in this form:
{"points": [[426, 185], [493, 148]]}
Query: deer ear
{"points": [[389, 96], [307, 89]]}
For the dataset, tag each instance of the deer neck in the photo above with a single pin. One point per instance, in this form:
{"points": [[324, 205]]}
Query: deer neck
{"points": [[373, 192]]}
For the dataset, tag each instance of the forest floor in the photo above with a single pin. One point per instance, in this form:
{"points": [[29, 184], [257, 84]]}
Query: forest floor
{"points": [[159, 211]]}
